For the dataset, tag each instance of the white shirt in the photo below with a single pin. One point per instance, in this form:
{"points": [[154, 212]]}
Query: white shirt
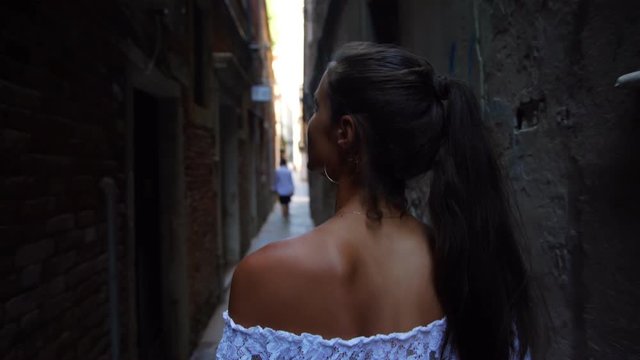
{"points": [[283, 184], [263, 343]]}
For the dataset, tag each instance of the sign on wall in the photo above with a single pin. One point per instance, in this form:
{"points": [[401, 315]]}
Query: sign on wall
{"points": [[261, 93]]}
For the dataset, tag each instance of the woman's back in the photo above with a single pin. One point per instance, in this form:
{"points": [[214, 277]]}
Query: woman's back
{"points": [[337, 283]]}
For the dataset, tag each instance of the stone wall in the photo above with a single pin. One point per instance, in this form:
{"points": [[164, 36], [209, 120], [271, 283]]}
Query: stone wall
{"points": [[566, 137], [568, 142]]}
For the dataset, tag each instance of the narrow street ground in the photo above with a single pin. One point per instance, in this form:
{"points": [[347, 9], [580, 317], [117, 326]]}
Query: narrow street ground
{"points": [[274, 229]]}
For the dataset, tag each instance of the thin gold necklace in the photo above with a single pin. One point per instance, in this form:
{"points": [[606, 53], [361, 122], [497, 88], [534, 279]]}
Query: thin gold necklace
{"points": [[341, 213]]}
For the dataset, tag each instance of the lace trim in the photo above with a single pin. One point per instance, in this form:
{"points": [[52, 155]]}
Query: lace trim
{"points": [[437, 325]]}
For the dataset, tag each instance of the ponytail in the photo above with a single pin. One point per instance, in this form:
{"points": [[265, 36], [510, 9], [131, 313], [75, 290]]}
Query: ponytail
{"points": [[480, 275]]}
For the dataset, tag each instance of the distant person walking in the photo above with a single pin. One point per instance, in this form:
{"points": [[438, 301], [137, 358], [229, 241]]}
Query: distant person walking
{"points": [[283, 185]]}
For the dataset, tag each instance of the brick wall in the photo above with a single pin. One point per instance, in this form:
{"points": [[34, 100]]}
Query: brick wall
{"points": [[203, 272], [60, 133], [64, 83], [244, 192]]}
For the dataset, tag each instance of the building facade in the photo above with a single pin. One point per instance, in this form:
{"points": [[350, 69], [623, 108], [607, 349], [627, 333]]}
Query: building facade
{"points": [[134, 163]]}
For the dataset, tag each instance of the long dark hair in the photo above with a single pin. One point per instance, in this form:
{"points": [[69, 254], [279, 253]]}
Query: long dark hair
{"points": [[409, 122]]}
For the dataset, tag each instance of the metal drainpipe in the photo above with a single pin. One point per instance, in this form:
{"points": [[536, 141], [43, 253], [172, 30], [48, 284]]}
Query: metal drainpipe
{"points": [[110, 190], [476, 23]]}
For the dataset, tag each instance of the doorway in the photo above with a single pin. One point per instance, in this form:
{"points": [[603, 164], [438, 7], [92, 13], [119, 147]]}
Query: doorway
{"points": [[148, 249]]}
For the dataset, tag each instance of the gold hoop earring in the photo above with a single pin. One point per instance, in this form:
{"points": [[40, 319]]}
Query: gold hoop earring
{"points": [[327, 175]]}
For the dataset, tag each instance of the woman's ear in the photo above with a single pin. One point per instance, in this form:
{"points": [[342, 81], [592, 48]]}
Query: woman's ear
{"points": [[346, 131]]}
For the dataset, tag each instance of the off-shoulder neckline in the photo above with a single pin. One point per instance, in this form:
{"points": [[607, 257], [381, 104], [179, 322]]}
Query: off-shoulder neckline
{"points": [[289, 336]]}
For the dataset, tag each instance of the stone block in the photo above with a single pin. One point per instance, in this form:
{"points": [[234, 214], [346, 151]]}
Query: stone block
{"points": [[34, 253], [23, 304], [57, 186], [14, 141], [18, 187], [8, 212], [8, 334], [102, 231], [60, 223], [84, 184], [71, 319], [9, 235], [56, 286], [45, 165], [29, 233], [97, 317], [48, 352], [86, 218], [90, 340], [30, 351], [100, 349], [84, 271], [30, 276], [86, 289], [66, 344], [90, 235], [6, 265], [30, 321], [57, 305], [60, 264], [91, 250], [10, 287], [38, 208], [69, 240], [91, 306]]}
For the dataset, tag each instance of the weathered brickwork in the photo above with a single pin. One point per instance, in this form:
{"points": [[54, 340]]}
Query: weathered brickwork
{"points": [[59, 129], [201, 198], [67, 74]]}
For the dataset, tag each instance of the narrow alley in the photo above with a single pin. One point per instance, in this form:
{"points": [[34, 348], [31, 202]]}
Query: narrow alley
{"points": [[274, 229], [139, 139]]}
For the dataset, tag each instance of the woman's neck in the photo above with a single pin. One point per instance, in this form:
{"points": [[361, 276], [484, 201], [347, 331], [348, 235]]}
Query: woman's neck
{"points": [[349, 198], [347, 195]]}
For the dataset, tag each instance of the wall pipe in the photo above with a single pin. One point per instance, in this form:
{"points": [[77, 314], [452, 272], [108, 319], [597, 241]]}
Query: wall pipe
{"points": [[110, 191]]}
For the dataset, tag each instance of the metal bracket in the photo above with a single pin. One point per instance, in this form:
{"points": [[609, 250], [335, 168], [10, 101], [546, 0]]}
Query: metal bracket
{"points": [[629, 80]]}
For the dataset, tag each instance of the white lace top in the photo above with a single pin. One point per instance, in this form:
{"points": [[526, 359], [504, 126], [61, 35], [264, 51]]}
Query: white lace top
{"points": [[263, 343]]}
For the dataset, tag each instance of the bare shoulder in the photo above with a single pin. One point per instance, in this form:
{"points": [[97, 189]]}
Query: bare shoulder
{"points": [[269, 286], [255, 284]]}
